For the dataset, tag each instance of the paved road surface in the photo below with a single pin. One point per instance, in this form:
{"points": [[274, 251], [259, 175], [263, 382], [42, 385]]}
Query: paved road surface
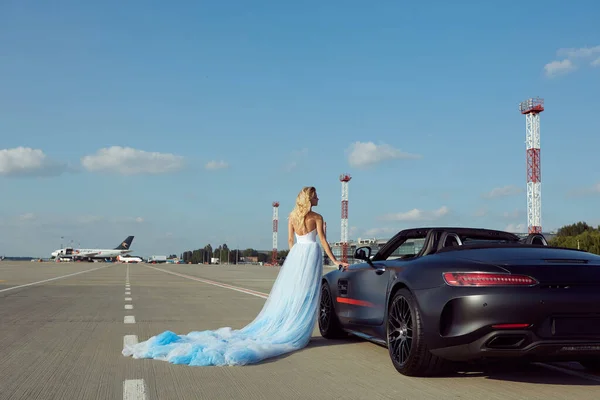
{"points": [[62, 339]]}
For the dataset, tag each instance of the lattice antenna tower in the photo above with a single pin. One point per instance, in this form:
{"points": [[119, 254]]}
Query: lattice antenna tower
{"points": [[275, 229], [344, 178], [532, 108]]}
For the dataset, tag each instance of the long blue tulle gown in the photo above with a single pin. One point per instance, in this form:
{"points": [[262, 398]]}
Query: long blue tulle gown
{"points": [[284, 324]]}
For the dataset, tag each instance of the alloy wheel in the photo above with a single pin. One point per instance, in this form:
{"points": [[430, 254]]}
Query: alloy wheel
{"points": [[400, 331], [325, 308]]}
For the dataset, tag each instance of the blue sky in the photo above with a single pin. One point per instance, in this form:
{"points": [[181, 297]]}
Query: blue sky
{"points": [[278, 95]]}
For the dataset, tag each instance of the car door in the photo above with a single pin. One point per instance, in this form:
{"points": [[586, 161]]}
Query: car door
{"points": [[362, 293]]}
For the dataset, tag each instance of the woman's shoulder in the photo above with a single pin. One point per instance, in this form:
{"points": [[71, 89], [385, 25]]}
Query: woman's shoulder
{"points": [[314, 215]]}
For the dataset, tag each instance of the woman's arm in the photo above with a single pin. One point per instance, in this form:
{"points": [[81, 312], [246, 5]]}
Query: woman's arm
{"points": [[324, 243], [290, 233]]}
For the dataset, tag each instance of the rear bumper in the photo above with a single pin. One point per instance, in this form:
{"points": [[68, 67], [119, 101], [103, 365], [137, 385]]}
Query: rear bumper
{"points": [[528, 346], [459, 322]]}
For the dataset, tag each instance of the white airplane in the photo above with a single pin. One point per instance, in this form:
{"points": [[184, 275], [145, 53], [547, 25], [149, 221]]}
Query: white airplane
{"points": [[129, 259], [91, 254]]}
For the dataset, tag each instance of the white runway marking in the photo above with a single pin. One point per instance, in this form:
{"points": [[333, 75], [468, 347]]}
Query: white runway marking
{"points": [[52, 279], [223, 285], [128, 307], [129, 319], [127, 298], [128, 293], [129, 340], [134, 389]]}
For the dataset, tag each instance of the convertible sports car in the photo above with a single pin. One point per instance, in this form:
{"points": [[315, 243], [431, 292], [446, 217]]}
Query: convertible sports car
{"points": [[437, 296]]}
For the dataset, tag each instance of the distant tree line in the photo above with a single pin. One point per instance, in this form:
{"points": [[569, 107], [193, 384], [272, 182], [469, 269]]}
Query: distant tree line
{"points": [[579, 235], [226, 255]]}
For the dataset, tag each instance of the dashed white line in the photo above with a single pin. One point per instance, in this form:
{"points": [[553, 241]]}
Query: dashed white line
{"points": [[129, 340], [128, 292], [134, 389], [127, 298], [223, 285], [128, 306], [52, 279], [129, 319]]}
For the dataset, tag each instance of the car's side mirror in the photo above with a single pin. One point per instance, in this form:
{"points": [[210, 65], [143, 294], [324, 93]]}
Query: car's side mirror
{"points": [[363, 253]]}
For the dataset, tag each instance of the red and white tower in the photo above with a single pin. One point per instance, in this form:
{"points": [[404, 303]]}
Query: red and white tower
{"points": [[275, 226], [344, 178], [532, 108]]}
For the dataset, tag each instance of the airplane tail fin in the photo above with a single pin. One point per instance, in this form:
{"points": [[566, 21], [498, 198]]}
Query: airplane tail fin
{"points": [[126, 244]]}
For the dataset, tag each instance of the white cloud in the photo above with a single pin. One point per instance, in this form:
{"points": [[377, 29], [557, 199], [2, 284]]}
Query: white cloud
{"points": [[365, 154], [570, 59], [379, 232], [417, 215], [212, 165], [27, 217], [582, 52], [129, 161], [516, 228], [592, 190], [516, 214], [481, 212], [294, 159], [509, 190], [25, 161], [89, 219], [561, 67]]}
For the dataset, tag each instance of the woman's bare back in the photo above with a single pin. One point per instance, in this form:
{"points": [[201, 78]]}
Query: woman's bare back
{"points": [[311, 224]]}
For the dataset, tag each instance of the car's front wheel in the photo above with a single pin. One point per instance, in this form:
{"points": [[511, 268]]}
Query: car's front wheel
{"points": [[405, 340], [329, 324]]}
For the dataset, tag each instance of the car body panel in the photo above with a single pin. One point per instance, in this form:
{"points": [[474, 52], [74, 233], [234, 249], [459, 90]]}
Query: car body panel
{"points": [[458, 322]]}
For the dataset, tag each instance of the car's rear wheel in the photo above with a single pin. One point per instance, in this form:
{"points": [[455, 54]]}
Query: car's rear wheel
{"points": [[329, 324], [405, 339]]}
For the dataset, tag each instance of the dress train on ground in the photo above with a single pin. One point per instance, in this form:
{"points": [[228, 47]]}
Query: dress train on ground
{"points": [[284, 324]]}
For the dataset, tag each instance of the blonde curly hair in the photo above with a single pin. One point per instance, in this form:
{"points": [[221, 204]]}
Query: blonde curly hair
{"points": [[303, 205]]}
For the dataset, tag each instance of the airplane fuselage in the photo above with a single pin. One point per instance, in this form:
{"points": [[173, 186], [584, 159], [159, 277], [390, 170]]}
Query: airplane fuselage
{"points": [[89, 253], [129, 259]]}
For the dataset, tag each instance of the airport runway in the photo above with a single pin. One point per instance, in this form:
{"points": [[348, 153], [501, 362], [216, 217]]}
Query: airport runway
{"points": [[62, 338]]}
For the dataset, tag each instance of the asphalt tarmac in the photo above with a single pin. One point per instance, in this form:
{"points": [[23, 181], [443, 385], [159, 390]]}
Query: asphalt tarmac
{"points": [[63, 325]]}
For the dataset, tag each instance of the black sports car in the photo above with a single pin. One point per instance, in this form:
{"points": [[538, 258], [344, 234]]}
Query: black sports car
{"points": [[467, 295]]}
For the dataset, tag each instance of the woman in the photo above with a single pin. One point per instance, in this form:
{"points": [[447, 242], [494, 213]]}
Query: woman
{"points": [[287, 319]]}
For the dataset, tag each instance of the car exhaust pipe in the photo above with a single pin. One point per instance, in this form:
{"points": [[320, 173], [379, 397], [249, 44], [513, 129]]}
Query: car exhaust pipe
{"points": [[503, 341]]}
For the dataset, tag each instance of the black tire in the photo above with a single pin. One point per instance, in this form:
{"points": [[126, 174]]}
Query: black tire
{"points": [[405, 338], [591, 364], [329, 324]]}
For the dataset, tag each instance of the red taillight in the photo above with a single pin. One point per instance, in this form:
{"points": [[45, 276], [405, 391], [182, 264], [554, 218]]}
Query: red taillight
{"points": [[487, 279], [511, 326]]}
